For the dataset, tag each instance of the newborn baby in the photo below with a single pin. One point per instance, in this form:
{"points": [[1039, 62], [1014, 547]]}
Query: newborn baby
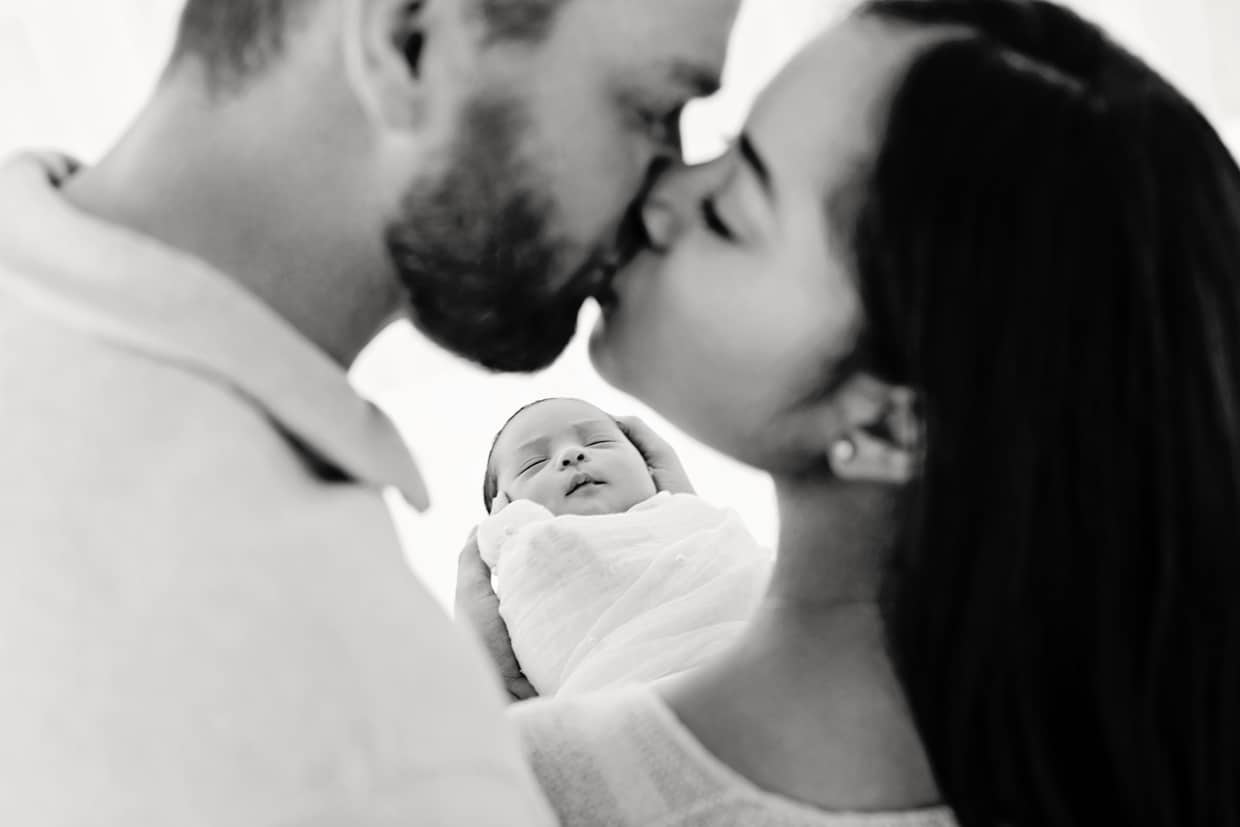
{"points": [[602, 580]]}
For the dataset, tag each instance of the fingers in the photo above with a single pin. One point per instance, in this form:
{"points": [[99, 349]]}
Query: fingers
{"points": [[473, 578], [642, 435], [57, 163], [470, 552], [665, 466], [520, 689], [477, 607], [656, 450]]}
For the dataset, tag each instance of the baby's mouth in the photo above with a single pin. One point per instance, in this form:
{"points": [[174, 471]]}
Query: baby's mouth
{"points": [[579, 480]]}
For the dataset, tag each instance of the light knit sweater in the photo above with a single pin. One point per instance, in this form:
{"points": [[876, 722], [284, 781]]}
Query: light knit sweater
{"points": [[622, 759]]}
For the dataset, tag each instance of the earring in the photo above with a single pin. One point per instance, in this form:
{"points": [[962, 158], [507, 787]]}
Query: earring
{"points": [[842, 451]]}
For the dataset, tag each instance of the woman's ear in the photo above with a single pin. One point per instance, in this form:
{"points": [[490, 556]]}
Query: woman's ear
{"points": [[873, 432], [385, 50]]}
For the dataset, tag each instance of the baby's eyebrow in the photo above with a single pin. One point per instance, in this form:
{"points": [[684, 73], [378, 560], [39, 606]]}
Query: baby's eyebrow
{"points": [[592, 424], [535, 445]]}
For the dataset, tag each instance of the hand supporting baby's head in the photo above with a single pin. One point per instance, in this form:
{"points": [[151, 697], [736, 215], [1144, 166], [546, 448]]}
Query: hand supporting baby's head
{"points": [[568, 456]]}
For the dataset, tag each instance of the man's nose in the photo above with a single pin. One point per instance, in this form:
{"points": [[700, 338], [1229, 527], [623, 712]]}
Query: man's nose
{"points": [[571, 456], [673, 198]]}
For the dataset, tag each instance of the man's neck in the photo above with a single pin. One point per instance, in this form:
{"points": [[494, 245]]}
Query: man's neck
{"points": [[276, 216]]}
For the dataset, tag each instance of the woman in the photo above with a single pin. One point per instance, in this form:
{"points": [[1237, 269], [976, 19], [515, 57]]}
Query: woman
{"points": [[969, 289]]}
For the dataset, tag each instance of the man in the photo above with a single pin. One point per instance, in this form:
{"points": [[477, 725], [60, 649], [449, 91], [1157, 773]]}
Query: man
{"points": [[206, 616]]}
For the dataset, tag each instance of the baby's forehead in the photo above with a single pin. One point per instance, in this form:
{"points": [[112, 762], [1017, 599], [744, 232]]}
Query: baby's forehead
{"points": [[554, 417]]}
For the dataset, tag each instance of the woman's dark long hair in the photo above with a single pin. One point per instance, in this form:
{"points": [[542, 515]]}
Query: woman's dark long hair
{"points": [[1048, 248]]}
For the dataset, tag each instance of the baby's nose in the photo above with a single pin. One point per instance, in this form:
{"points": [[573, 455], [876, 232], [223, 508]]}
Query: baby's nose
{"points": [[572, 456]]}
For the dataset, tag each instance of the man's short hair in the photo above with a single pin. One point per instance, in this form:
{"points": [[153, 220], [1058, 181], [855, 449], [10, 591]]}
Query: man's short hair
{"points": [[236, 39]]}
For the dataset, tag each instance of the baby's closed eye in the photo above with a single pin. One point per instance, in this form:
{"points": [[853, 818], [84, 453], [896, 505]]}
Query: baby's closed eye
{"points": [[532, 464]]}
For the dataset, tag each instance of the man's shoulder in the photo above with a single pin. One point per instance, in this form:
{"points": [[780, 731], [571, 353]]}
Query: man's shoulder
{"points": [[135, 467], [208, 617], [98, 426]]}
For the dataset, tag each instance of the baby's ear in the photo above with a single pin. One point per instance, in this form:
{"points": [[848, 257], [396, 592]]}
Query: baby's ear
{"points": [[499, 503]]}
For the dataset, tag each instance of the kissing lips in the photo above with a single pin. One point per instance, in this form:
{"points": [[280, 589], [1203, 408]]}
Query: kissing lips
{"points": [[604, 293]]}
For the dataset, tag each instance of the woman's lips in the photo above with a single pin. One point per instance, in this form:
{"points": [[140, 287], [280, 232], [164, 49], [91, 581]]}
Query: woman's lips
{"points": [[607, 297], [604, 291]]}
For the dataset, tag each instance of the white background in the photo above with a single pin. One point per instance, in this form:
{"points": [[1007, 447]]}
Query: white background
{"points": [[72, 72]]}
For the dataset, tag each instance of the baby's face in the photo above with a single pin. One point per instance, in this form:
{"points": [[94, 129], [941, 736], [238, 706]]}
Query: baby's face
{"points": [[572, 458]]}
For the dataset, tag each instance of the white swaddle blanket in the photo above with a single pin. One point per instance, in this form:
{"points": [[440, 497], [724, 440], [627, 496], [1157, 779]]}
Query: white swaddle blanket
{"points": [[597, 601]]}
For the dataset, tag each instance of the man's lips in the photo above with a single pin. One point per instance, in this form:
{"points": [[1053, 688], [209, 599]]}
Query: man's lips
{"points": [[630, 241], [603, 291], [578, 481]]}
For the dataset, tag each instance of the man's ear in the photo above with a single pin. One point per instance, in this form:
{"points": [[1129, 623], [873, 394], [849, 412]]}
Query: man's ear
{"points": [[384, 43], [872, 432]]}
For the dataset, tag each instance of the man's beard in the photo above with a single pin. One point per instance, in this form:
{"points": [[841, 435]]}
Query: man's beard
{"points": [[476, 249]]}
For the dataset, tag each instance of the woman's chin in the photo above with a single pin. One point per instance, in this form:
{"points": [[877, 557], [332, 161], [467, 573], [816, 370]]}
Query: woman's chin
{"points": [[606, 352], [620, 322]]}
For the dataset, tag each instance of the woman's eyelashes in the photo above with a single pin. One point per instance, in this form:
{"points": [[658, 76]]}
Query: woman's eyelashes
{"points": [[714, 221]]}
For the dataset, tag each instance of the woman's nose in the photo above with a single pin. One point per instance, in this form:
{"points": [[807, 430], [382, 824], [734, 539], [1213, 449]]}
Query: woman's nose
{"points": [[661, 222], [672, 199]]}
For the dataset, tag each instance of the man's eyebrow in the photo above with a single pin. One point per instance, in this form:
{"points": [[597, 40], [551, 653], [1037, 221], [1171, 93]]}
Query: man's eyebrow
{"points": [[750, 154]]}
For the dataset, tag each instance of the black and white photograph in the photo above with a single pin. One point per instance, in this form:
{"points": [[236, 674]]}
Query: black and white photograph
{"points": [[620, 413]]}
